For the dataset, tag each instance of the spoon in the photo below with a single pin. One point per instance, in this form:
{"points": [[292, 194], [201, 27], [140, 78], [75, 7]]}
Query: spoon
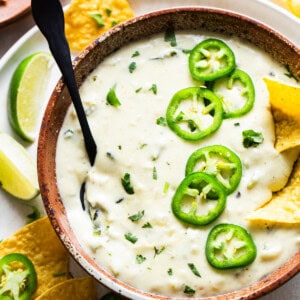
{"points": [[49, 17]]}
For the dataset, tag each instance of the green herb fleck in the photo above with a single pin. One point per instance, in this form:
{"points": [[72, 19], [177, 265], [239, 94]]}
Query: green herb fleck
{"points": [[130, 237], [147, 225], [186, 51], [136, 53], [143, 145], [158, 251], [154, 173], [132, 67], [153, 88], [120, 147], [108, 12], [127, 185], [137, 216], [68, 133], [109, 155], [252, 138], [170, 37], [114, 23], [34, 215], [120, 200], [140, 258], [188, 290], [194, 269], [138, 90], [98, 18], [170, 271], [166, 187], [59, 274], [111, 97], [236, 124], [161, 121], [289, 73]]}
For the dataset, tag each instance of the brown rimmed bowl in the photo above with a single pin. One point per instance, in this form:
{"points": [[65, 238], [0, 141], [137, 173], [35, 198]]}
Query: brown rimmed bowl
{"points": [[189, 18]]}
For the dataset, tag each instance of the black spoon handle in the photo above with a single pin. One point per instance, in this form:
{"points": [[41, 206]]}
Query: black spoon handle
{"points": [[49, 17]]}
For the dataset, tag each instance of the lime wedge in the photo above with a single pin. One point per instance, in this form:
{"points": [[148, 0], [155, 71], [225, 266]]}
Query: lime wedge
{"points": [[26, 92], [294, 6], [18, 172]]}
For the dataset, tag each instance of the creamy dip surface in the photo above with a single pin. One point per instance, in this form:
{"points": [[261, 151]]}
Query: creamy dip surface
{"points": [[130, 141]]}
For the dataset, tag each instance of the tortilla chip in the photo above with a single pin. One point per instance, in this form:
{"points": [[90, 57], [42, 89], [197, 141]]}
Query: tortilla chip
{"points": [[39, 242], [75, 289], [285, 103], [81, 17], [287, 131], [284, 206]]}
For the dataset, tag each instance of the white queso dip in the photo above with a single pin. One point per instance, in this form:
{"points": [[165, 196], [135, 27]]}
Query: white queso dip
{"points": [[127, 224]]}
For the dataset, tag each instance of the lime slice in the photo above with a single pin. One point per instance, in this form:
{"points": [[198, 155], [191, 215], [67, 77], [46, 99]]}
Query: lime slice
{"points": [[26, 92], [18, 172]]}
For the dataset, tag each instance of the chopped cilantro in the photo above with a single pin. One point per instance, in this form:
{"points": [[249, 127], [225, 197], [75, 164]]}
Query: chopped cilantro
{"points": [[289, 73], [34, 215], [194, 269], [136, 53], [170, 37], [130, 237], [132, 67], [108, 11], [153, 88], [114, 23], [147, 225], [111, 97], [140, 258], [252, 138], [138, 90], [170, 271], [158, 251], [237, 124], [137, 216], [127, 184], [161, 121], [98, 18], [188, 290]]}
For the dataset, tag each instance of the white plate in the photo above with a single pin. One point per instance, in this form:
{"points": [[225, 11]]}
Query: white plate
{"points": [[14, 212]]}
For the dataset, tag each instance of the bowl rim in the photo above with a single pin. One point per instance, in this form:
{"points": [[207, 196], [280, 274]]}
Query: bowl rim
{"points": [[54, 205]]}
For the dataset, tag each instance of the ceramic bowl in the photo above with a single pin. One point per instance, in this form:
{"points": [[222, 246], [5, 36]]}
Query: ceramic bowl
{"points": [[195, 18]]}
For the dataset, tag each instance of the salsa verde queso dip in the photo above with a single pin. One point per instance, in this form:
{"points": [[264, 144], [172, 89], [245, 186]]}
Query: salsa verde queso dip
{"points": [[127, 220]]}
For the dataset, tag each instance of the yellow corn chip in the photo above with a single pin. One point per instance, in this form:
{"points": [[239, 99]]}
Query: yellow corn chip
{"points": [[285, 103], [284, 206], [76, 289], [85, 20], [39, 242]]}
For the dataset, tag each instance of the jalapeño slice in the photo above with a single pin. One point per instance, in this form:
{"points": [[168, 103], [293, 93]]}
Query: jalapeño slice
{"points": [[18, 279], [236, 92], [199, 199], [229, 246], [210, 60], [218, 161], [194, 113]]}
